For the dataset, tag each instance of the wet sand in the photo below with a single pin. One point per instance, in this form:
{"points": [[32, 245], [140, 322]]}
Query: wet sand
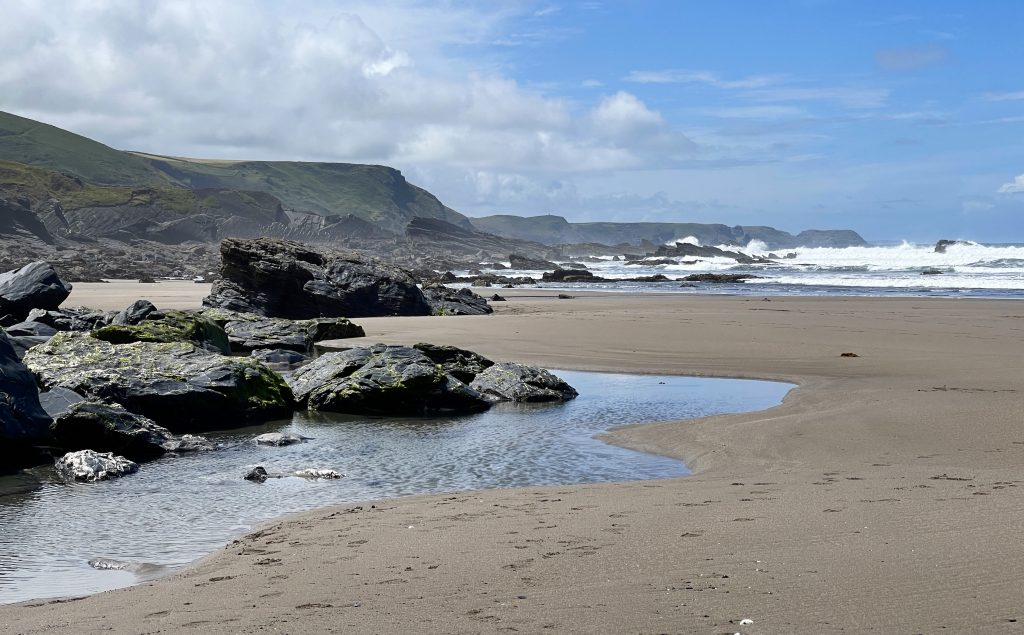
{"points": [[884, 495]]}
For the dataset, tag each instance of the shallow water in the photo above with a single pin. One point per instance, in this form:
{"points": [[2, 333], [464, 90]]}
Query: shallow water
{"points": [[178, 509]]}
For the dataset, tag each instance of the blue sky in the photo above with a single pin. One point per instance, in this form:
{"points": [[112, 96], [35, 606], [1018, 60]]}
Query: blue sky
{"points": [[902, 120]]}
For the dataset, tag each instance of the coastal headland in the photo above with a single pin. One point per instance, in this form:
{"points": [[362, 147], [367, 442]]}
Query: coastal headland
{"points": [[884, 494]]}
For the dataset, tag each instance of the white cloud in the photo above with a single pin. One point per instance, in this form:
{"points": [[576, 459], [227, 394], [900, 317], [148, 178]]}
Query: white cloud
{"points": [[1011, 96], [309, 80], [857, 98], [1016, 186], [681, 76]]}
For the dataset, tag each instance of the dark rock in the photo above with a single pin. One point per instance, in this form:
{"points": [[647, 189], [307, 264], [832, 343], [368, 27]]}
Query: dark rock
{"points": [[653, 262], [280, 359], [286, 279], [462, 364], [248, 332], [90, 466], [931, 271], [566, 296], [390, 380], [30, 329], [257, 474], [279, 439], [147, 280], [57, 401], [167, 327], [71, 318], [658, 277], [445, 301], [480, 282], [571, 275], [942, 245], [23, 422], [178, 385], [719, 278], [497, 298], [22, 343], [88, 425], [134, 314], [524, 263], [508, 381], [34, 286], [572, 265], [790, 256]]}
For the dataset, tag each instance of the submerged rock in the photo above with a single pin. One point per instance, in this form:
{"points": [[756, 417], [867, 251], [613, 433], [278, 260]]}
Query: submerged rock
{"points": [[508, 381], [34, 286], [278, 278], [109, 428], [187, 443], [314, 473], [278, 439], [178, 385], [90, 466], [393, 380], [257, 474]]}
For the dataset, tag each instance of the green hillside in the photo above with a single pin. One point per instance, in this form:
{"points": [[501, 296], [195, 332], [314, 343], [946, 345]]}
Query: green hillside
{"points": [[34, 143], [372, 192]]}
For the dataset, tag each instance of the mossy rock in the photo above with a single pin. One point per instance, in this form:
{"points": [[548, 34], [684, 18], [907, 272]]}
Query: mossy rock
{"points": [[167, 327]]}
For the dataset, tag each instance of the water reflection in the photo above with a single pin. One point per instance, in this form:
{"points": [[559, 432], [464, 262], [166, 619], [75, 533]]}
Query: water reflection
{"points": [[178, 509]]}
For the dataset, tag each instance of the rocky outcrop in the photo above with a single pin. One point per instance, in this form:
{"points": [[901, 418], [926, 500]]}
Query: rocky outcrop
{"points": [[462, 364], [277, 278], [508, 381], [34, 286], [942, 245], [382, 380], [445, 301], [89, 466], [90, 425], [23, 422], [71, 318], [524, 263], [571, 275], [178, 385]]}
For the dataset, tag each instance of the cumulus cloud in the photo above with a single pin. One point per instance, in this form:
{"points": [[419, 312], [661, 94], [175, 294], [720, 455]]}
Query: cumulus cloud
{"points": [[303, 79], [911, 58], [1016, 186]]}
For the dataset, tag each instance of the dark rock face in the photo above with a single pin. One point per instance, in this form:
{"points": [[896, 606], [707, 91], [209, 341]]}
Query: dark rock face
{"points": [[257, 474], [22, 343], [30, 329], [277, 278], [507, 381], [90, 466], [166, 327], [524, 263], [718, 278], [247, 332], [176, 384], [103, 427], [34, 286], [134, 314], [462, 364], [942, 245], [23, 422], [393, 380], [445, 301]]}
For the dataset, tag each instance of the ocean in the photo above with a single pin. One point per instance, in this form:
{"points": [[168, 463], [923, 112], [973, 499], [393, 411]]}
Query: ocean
{"points": [[971, 270]]}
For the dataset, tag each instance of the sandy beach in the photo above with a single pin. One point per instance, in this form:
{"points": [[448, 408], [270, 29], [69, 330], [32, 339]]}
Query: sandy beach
{"points": [[884, 495]]}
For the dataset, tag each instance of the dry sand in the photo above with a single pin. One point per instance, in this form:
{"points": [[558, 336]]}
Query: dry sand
{"points": [[884, 495]]}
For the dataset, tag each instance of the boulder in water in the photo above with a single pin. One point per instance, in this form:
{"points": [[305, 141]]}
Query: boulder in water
{"points": [[508, 381], [382, 379], [90, 466], [109, 428], [279, 439]]}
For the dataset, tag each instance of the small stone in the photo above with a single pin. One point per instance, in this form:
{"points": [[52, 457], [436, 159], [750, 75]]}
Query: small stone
{"points": [[257, 474]]}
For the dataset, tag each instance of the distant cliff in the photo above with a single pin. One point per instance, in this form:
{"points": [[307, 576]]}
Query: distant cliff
{"points": [[555, 230]]}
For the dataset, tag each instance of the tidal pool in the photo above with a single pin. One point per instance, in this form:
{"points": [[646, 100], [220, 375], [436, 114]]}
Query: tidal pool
{"points": [[178, 509]]}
